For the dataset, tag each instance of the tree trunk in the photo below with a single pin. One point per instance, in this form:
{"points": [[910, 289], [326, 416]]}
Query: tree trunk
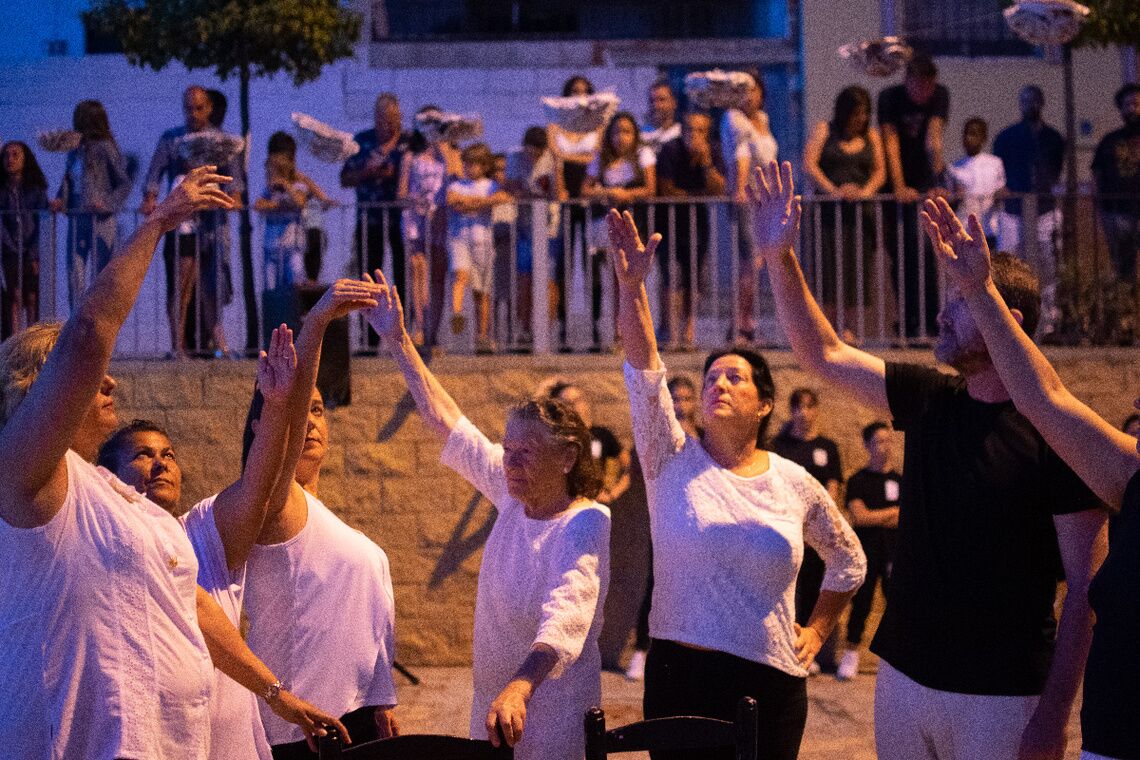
{"points": [[249, 291]]}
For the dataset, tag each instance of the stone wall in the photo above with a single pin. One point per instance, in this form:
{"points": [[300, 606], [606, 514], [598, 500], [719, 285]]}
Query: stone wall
{"points": [[383, 476]]}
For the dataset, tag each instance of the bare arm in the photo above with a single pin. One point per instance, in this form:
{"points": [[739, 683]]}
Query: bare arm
{"points": [[436, 406], [934, 142], [239, 510], [631, 262], [812, 152], [862, 517], [893, 157], [405, 171], [43, 426], [1102, 456], [776, 218]]}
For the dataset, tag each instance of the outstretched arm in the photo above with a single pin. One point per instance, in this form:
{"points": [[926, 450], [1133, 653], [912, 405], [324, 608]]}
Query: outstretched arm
{"points": [[42, 428], [632, 260], [239, 510], [1104, 457], [233, 657], [776, 223], [436, 406]]}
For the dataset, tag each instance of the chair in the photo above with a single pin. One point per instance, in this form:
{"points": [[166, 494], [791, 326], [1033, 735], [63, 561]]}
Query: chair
{"points": [[674, 734], [413, 747]]}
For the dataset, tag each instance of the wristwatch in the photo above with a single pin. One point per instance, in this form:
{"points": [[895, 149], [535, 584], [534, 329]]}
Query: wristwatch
{"points": [[272, 691]]}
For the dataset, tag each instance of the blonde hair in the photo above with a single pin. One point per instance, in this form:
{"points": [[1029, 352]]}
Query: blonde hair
{"points": [[22, 357]]}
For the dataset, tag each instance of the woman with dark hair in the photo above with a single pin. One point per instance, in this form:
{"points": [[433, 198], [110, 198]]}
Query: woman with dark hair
{"points": [[95, 186], [23, 195], [844, 158], [728, 521], [545, 570]]}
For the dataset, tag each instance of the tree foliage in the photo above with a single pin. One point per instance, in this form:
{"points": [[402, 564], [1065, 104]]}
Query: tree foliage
{"points": [[1110, 22], [295, 37]]}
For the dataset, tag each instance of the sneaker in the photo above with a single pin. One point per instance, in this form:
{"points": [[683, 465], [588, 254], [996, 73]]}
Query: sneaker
{"points": [[636, 669], [458, 323], [848, 666]]}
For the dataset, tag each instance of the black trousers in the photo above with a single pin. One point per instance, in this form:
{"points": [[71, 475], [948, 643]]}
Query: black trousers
{"points": [[361, 727], [879, 546], [684, 681]]}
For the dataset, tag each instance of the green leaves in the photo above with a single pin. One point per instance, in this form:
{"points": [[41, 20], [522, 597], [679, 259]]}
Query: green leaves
{"points": [[294, 37], [1110, 22]]}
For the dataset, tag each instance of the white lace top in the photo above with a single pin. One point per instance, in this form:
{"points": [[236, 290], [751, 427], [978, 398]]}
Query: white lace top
{"points": [[726, 548], [100, 652], [540, 582]]}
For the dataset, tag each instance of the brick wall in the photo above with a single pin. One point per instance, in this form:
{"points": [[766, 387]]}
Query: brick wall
{"points": [[383, 476]]}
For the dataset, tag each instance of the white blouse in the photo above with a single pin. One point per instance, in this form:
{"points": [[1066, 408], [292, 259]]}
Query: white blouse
{"points": [[233, 708], [726, 548], [322, 617], [740, 139], [540, 582], [102, 657]]}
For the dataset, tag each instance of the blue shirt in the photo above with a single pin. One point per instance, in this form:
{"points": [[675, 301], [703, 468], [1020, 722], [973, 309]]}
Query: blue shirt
{"points": [[1033, 157]]}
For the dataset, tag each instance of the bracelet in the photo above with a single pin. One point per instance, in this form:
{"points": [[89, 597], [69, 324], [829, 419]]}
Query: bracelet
{"points": [[272, 691]]}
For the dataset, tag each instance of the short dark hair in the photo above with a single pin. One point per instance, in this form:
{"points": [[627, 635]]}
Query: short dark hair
{"points": [[569, 86], [536, 137], [870, 430], [761, 378], [801, 396], [1124, 92], [283, 142], [921, 65], [564, 423], [680, 381], [980, 122], [111, 449], [1019, 288]]}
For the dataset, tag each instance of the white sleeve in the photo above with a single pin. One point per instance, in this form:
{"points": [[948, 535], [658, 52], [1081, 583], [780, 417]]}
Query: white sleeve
{"points": [[382, 692], [656, 431], [646, 157], [575, 582], [214, 574], [479, 461], [828, 533]]}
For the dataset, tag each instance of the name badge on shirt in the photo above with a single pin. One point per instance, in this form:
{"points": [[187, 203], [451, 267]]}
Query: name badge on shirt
{"points": [[596, 448], [891, 490], [819, 456]]}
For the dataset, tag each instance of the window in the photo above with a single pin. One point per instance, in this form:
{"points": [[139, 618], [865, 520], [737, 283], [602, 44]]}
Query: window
{"points": [[964, 28]]}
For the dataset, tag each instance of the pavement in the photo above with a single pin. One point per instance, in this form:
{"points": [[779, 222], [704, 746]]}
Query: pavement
{"points": [[839, 721]]}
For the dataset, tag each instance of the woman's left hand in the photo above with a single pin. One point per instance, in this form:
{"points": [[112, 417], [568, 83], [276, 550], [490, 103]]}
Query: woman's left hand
{"points": [[808, 643], [507, 716]]}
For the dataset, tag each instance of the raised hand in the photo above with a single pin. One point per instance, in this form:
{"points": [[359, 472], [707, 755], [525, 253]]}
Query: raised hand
{"points": [[630, 258], [344, 297], [198, 191], [775, 209], [387, 317], [277, 366], [964, 254], [291, 708]]}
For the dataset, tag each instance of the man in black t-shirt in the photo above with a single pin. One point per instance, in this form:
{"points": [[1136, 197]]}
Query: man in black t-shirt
{"points": [[873, 501], [969, 667], [912, 117], [801, 442]]}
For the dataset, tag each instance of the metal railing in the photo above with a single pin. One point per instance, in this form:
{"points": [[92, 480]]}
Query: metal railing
{"points": [[541, 269]]}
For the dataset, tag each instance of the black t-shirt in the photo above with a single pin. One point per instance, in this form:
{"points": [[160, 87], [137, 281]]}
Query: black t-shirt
{"points": [[819, 456], [911, 120], [877, 490], [1111, 707], [674, 163], [974, 579], [603, 444], [1116, 167]]}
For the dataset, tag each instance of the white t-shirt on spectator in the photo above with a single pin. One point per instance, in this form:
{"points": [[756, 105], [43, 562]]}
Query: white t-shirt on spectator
{"points": [[322, 617], [978, 178], [233, 708], [101, 656], [471, 228], [727, 548], [540, 582], [622, 173], [740, 140]]}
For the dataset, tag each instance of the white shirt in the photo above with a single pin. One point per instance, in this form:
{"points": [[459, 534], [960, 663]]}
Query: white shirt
{"points": [[726, 548], [621, 173], [576, 142], [540, 582], [233, 708], [978, 178], [322, 616], [102, 657], [471, 227], [740, 140]]}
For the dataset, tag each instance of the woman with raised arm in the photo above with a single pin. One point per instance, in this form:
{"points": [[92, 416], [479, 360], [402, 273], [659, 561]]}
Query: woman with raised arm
{"points": [[728, 521], [1106, 459], [103, 656], [334, 645], [545, 570]]}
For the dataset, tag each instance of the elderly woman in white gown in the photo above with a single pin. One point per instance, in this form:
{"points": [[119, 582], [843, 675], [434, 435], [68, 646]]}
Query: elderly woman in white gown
{"points": [[538, 609]]}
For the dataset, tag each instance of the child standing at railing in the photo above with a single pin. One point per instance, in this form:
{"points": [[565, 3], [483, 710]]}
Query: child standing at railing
{"points": [[470, 246], [977, 177], [423, 174]]}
